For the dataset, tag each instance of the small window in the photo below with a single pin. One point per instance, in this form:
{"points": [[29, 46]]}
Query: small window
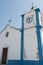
{"points": [[7, 33]]}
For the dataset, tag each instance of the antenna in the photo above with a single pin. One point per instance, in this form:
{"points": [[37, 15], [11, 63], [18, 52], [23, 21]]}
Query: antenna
{"points": [[32, 6]]}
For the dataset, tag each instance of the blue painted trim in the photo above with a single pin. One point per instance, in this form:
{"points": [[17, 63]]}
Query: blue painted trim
{"points": [[22, 38], [38, 31], [24, 62]]}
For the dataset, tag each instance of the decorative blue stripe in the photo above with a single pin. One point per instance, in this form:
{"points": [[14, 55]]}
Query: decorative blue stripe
{"points": [[24, 62], [22, 38], [38, 31]]}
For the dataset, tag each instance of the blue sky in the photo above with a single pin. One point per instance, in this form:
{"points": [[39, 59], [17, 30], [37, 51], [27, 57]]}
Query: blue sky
{"points": [[13, 9]]}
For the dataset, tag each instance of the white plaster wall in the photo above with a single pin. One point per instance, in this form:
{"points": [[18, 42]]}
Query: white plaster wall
{"points": [[30, 44], [41, 17], [13, 42]]}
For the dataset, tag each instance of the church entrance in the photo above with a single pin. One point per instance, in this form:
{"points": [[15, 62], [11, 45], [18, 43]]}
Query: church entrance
{"points": [[4, 55]]}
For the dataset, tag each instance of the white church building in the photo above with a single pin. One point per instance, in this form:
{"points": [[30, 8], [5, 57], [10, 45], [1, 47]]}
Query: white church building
{"points": [[23, 46]]}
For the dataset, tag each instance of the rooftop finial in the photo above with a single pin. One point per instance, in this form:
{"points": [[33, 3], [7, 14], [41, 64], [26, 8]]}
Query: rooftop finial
{"points": [[9, 21], [32, 6]]}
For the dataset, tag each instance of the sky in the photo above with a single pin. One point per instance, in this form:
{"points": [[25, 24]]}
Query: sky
{"points": [[13, 9]]}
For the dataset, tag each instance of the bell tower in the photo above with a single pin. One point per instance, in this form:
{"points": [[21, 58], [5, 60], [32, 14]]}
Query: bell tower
{"points": [[31, 35]]}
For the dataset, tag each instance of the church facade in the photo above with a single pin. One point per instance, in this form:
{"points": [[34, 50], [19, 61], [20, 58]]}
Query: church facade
{"points": [[10, 39], [23, 46]]}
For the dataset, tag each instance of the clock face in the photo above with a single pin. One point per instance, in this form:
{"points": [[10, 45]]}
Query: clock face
{"points": [[29, 19]]}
